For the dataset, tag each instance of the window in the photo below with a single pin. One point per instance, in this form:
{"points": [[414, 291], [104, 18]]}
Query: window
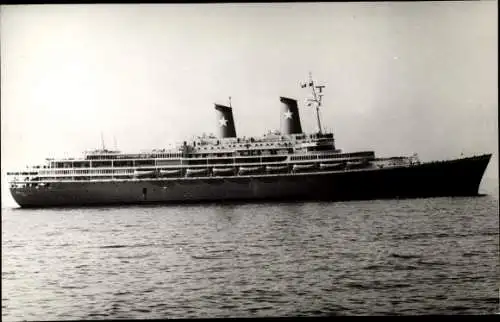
{"points": [[139, 163], [101, 164], [81, 164], [273, 159], [247, 160], [197, 162], [125, 163], [167, 162]]}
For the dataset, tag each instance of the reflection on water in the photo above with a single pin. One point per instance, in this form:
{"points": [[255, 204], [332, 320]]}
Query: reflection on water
{"points": [[225, 217]]}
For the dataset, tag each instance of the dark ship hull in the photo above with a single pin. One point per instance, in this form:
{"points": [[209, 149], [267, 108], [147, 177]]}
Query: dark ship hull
{"points": [[460, 177]]}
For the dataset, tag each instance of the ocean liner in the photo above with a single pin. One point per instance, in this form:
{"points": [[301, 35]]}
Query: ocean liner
{"points": [[280, 165]]}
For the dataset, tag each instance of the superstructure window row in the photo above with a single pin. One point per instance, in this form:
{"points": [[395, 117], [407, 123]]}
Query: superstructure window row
{"points": [[333, 156], [93, 171], [304, 157]]}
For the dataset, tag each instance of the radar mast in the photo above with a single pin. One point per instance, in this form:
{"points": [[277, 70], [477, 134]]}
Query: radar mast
{"points": [[317, 98]]}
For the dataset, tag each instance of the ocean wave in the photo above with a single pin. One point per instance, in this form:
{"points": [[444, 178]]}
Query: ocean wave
{"points": [[211, 257], [405, 256], [138, 256], [125, 246]]}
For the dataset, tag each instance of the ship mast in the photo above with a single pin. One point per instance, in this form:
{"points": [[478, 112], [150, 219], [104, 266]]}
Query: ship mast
{"points": [[102, 142], [316, 99]]}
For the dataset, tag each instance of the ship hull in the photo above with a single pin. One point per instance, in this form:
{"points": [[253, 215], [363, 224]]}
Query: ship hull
{"points": [[460, 177]]}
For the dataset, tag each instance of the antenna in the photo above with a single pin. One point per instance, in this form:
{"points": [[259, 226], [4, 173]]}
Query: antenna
{"points": [[230, 101], [116, 145]]}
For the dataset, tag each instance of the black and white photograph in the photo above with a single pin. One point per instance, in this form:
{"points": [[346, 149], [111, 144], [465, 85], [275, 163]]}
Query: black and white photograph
{"points": [[249, 160]]}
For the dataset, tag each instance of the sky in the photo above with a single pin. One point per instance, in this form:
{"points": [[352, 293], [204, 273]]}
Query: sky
{"points": [[400, 77]]}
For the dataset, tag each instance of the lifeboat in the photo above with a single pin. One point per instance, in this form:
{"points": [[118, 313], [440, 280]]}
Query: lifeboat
{"points": [[144, 173], [276, 168], [249, 170], [332, 166], [223, 171], [303, 167], [167, 173], [356, 164], [196, 172]]}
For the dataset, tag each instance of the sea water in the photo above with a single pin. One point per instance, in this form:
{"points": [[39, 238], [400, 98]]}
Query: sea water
{"points": [[383, 257]]}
